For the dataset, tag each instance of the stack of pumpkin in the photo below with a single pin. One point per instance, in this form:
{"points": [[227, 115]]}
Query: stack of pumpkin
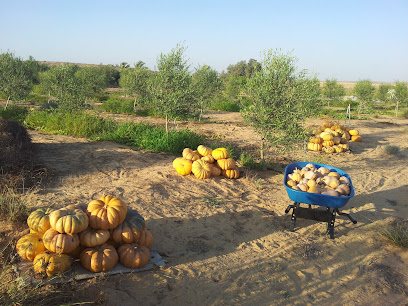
{"points": [[98, 234], [332, 138], [318, 180], [205, 162]]}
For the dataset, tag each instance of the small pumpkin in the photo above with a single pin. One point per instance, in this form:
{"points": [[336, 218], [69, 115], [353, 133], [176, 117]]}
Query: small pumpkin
{"points": [[313, 189], [215, 170], [129, 230], [291, 183], [100, 258], [208, 158], [91, 237], [338, 149], [226, 164], [327, 124], [193, 155], [356, 138], [29, 246], [328, 149], [326, 136], [106, 213], [81, 206], [39, 220], [60, 242], [231, 173], [204, 151], [176, 162], [201, 169], [336, 140], [353, 132], [314, 146], [186, 152], [146, 239], [66, 220], [315, 139], [332, 193], [183, 166], [328, 143], [220, 153], [51, 263], [133, 255]]}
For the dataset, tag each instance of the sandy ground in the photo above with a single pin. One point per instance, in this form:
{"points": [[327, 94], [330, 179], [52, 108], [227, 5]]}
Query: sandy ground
{"points": [[227, 242]]}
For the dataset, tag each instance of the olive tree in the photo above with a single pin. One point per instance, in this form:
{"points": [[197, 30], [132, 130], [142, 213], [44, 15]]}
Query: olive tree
{"points": [[135, 82], [16, 77], [92, 79], [172, 89], [382, 92], [333, 91], [206, 84], [282, 99], [401, 92], [364, 90]]}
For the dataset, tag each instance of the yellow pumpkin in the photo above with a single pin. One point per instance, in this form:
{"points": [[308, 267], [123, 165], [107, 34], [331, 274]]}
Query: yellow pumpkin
{"points": [[220, 153], [356, 138], [313, 189], [29, 246], [215, 170], [208, 159], [291, 183], [231, 173], [100, 258], [344, 146], [328, 143], [194, 155], [226, 164], [338, 149], [51, 263], [60, 242], [39, 220], [326, 136], [92, 237], [201, 169], [327, 124], [187, 151], [204, 151], [66, 220], [106, 213], [314, 146], [328, 149], [183, 166], [353, 132], [316, 139], [176, 162]]}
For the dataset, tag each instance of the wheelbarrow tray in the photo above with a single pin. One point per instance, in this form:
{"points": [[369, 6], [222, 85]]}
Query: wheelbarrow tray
{"points": [[315, 198]]}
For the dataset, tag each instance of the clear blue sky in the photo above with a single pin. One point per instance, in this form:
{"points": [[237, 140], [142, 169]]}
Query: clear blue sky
{"points": [[348, 40]]}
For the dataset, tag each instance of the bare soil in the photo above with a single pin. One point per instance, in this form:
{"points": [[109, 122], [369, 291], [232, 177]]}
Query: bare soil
{"points": [[227, 242]]}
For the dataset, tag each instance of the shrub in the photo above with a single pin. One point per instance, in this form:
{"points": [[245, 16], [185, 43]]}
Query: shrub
{"points": [[392, 150], [397, 233], [118, 106], [222, 103], [13, 112]]}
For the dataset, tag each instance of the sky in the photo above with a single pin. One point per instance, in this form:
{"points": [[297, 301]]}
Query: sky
{"points": [[346, 40]]}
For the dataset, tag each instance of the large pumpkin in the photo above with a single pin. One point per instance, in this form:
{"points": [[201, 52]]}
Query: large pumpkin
{"points": [[176, 162], [328, 143], [226, 164], [356, 138], [67, 220], [220, 153], [60, 242], [183, 166], [91, 237], [130, 230], [100, 258], [204, 151], [353, 132], [39, 220], [201, 169], [29, 246], [314, 146], [215, 170], [146, 239], [231, 173], [133, 255], [106, 213], [326, 136], [316, 139], [51, 263]]}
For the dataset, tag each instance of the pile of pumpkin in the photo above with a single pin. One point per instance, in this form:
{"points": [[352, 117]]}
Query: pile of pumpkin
{"points": [[206, 162], [319, 180], [98, 234], [332, 138]]}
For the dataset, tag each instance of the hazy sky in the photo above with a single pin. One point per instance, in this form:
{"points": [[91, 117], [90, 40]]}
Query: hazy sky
{"points": [[348, 40]]}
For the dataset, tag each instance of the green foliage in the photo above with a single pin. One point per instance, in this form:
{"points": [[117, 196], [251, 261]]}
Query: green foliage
{"points": [[234, 86], [222, 103], [401, 93], [333, 91], [382, 92], [396, 233], [206, 85], [247, 160], [16, 77], [242, 69], [14, 112], [364, 90], [12, 206], [136, 82], [172, 92], [117, 105], [92, 80], [137, 135], [282, 99]]}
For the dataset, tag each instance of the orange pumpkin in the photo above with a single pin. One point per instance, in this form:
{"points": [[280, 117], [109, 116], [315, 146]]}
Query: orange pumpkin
{"points": [[129, 230], [29, 246], [39, 220], [66, 220], [51, 263], [106, 213], [146, 239], [60, 242], [91, 237], [231, 173], [100, 258], [314, 146], [328, 143], [316, 139], [133, 255]]}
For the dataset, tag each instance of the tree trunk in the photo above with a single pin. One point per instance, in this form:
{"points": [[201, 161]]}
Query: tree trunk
{"points": [[396, 113], [262, 154], [174, 125], [134, 106], [8, 100], [167, 127]]}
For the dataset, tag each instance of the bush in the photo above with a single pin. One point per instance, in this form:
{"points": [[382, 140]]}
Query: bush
{"points": [[222, 103], [391, 150], [14, 112], [397, 233], [118, 106]]}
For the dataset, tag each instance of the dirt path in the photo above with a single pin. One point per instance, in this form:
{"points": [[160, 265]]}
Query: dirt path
{"points": [[227, 241]]}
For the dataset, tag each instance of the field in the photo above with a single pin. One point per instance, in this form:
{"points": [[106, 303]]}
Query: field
{"points": [[228, 241]]}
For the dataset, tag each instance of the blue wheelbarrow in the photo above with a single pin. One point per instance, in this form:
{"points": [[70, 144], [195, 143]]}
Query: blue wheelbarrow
{"points": [[331, 203]]}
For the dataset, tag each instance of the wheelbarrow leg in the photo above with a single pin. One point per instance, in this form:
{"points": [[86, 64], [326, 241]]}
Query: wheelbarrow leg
{"points": [[330, 224], [293, 218]]}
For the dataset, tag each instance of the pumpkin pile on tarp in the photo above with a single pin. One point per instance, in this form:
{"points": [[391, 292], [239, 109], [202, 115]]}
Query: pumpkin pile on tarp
{"points": [[98, 234], [206, 162], [319, 180], [332, 138]]}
